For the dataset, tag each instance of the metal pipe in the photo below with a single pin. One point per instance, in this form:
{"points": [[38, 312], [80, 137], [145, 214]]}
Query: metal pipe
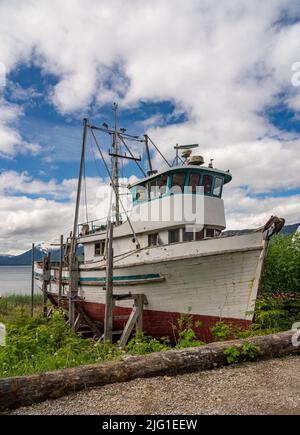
{"points": [[148, 154]]}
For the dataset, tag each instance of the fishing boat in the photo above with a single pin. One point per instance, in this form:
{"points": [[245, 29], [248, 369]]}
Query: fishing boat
{"points": [[168, 256]]}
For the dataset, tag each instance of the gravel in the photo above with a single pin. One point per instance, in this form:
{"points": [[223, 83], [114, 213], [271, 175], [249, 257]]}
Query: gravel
{"points": [[266, 387]]}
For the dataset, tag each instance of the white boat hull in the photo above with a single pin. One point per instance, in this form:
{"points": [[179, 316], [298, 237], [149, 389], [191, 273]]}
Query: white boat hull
{"points": [[214, 280]]}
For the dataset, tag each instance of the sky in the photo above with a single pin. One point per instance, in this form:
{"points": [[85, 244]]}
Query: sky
{"points": [[225, 75]]}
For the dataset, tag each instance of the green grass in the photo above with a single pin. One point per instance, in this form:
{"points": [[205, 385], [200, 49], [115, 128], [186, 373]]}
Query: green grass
{"points": [[13, 303], [37, 345]]}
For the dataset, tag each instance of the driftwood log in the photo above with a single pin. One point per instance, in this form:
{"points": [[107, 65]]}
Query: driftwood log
{"points": [[26, 390]]}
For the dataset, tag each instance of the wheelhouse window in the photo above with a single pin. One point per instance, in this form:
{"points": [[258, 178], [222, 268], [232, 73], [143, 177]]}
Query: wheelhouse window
{"points": [[177, 182], [158, 186], [153, 240], [141, 193], [194, 182], [174, 236], [207, 183], [218, 186], [188, 236], [99, 249]]}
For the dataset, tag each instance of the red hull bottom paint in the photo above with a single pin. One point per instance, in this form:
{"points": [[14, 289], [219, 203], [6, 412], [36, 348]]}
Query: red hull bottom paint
{"points": [[161, 323]]}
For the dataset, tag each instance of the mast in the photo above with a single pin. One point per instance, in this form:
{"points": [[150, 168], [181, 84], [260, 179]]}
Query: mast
{"points": [[115, 148], [73, 263]]}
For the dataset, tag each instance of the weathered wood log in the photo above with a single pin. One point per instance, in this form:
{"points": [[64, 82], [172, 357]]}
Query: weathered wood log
{"points": [[26, 390]]}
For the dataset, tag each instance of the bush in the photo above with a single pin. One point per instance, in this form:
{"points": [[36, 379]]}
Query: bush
{"points": [[141, 344], [281, 271], [38, 345], [232, 355], [223, 331], [250, 351], [185, 331]]}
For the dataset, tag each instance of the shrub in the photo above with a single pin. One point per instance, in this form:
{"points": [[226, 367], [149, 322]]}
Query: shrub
{"points": [[250, 351], [141, 344], [185, 331], [232, 355], [223, 331], [39, 344], [281, 270]]}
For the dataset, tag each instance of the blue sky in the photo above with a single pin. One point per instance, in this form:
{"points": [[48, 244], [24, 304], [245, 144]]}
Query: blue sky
{"points": [[215, 73]]}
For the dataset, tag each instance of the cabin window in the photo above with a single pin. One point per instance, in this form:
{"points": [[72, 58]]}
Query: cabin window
{"points": [[210, 233], [99, 249], [163, 183], [158, 186], [207, 183], [141, 193], [194, 182], [218, 186], [188, 236], [153, 239], [177, 183], [200, 235], [174, 236]]}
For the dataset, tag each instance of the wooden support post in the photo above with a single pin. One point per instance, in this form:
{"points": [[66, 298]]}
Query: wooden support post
{"points": [[135, 319], [88, 321], [108, 320], [139, 302], [129, 327], [60, 269], [73, 290], [32, 277], [46, 280]]}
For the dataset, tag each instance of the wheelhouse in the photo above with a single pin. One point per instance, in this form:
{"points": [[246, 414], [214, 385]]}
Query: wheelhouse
{"points": [[181, 180]]}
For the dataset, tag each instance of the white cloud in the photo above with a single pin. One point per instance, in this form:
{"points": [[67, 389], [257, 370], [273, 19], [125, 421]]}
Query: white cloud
{"points": [[32, 210], [249, 212], [11, 142]]}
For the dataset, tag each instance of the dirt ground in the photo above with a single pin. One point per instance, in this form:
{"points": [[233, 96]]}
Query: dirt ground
{"points": [[266, 387]]}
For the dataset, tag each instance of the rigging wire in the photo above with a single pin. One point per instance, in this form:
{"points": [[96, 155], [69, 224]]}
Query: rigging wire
{"points": [[85, 191], [158, 150], [129, 150], [113, 185]]}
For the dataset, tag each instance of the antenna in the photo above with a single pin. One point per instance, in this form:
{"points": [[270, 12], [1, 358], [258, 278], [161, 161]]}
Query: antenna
{"points": [[183, 147]]}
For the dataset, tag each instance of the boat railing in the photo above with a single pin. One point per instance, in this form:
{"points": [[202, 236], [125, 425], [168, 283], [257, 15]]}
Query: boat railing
{"points": [[96, 225]]}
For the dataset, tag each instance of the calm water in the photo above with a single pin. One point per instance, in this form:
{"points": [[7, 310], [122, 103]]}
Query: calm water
{"points": [[15, 279]]}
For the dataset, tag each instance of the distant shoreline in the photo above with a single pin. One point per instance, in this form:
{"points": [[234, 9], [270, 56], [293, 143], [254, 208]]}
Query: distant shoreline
{"points": [[15, 265]]}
